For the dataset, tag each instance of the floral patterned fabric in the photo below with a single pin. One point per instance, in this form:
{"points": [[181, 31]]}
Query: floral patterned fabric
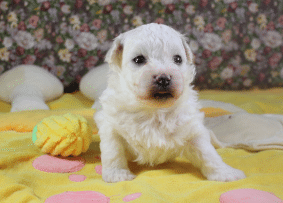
{"points": [[237, 44]]}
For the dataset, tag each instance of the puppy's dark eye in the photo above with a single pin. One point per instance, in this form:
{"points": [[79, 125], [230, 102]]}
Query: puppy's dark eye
{"points": [[177, 59], [139, 60]]}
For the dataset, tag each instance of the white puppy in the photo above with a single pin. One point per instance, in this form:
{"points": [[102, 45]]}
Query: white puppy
{"points": [[150, 112]]}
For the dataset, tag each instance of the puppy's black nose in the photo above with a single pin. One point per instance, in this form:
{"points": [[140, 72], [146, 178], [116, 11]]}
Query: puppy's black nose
{"points": [[163, 80]]}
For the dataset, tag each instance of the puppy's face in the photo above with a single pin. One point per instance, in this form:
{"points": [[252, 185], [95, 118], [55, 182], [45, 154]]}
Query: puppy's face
{"points": [[154, 62]]}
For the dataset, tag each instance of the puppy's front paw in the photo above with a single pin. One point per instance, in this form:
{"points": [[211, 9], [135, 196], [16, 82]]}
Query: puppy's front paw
{"points": [[226, 174], [113, 175]]}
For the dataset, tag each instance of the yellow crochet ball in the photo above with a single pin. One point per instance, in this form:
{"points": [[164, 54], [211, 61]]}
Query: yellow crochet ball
{"points": [[64, 135]]}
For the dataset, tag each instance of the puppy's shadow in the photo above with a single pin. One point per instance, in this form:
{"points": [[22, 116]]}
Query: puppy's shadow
{"points": [[92, 155], [170, 168]]}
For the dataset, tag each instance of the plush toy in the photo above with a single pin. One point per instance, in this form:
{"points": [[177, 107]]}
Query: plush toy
{"points": [[64, 135], [29, 87]]}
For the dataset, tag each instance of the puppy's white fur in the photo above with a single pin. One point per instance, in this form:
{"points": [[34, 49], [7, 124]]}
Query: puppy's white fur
{"points": [[134, 125]]}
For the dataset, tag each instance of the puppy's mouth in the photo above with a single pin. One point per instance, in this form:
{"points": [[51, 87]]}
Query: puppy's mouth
{"points": [[160, 98], [162, 95]]}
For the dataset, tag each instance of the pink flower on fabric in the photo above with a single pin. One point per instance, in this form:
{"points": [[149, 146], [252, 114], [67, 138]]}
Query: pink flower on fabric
{"points": [[261, 77], [90, 62], [131, 197], [203, 3], [45, 6], [20, 51], [141, 3], [214, 63], [79, 3], [233, 5], [79, 196], [97, 23], [266, 2], [77, 178], [84, 28], [82, 52], [33, 20], [280, 20], [159, 21], [221, 22], [29, 59], [208, 28], [170, 8], [270, 26], [53, 164], [249, 196], [22, 26], [108, 9], [206, 53], [98, 169], [247, 40], [59, 40], [274, 59], [266, 50]]}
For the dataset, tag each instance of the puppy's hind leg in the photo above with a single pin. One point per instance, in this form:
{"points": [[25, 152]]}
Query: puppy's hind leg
{"points": [[204, 156]]}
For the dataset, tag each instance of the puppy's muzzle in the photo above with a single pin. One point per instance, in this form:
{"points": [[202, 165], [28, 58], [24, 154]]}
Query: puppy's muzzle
{"points": [[162, 86]]}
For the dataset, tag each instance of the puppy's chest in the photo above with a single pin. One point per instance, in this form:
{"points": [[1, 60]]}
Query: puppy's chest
{"points": [[141, 125], [152, 139]]}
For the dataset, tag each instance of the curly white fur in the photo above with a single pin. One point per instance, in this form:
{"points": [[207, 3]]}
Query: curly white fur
{"points": [[134, 125]]}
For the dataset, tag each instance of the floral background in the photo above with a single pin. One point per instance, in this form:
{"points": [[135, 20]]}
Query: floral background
{"points": [[237, 44]]}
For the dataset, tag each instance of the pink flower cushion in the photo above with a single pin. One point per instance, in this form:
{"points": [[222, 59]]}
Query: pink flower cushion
{"points": [[249, 196]]}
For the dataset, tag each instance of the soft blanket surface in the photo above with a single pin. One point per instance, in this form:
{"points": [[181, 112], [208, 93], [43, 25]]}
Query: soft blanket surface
{"points": [[22, 178]]}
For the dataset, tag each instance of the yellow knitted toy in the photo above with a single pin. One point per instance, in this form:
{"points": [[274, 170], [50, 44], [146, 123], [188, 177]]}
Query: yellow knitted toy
{"points": [[64, 135]]}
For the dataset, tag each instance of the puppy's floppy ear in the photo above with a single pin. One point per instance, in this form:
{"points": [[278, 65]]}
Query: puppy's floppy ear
{"points": [[189, 53], [115, 54], [190, 58]]}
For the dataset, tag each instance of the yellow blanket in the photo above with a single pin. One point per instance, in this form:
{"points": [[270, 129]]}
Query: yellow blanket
{"points": [[178, 181]]}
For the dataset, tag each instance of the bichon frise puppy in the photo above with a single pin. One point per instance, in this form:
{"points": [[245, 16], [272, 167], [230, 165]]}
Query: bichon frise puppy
{"points": [[150, 113]]}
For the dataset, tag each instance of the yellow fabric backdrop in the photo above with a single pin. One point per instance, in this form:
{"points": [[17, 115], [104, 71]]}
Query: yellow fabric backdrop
{"points": [[178, 181]]}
